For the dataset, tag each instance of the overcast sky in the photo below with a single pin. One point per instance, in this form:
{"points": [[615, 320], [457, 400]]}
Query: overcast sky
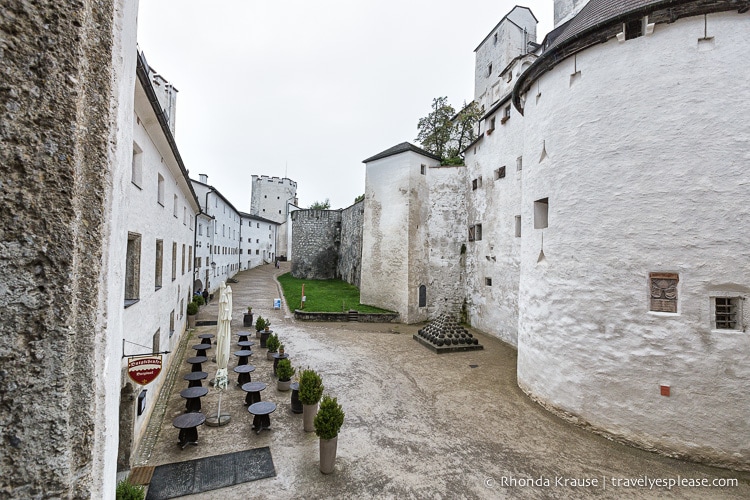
{"points": [[308, 89]]}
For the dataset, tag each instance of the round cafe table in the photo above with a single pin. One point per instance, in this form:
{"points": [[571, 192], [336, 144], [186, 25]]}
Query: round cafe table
{"points": [[243, 372], [206, 338], [200, 349], [193, 397], [196, 362], [243, 355], [194, 378], [253, 391], [261, 411], [188, 424]]}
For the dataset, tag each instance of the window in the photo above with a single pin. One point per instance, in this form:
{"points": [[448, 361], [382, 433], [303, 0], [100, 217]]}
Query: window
{"points": [[133, 269], [519, 163], [257, 251], [489, 69], [423, 169], [506, 115], [136, 176], [183, 259], [174, 211], [171, 323], [541, 213], [184, 216], [488, 281], [726, 311], [257, 225], [494, 39], [155, 340], [633, 29], [499, 173], [422, 296], [200, 262], [492, 126], [518, 226], [158, 263], [190, 258], [160, 190], [475, 232], [174, 261], [663, 293]]}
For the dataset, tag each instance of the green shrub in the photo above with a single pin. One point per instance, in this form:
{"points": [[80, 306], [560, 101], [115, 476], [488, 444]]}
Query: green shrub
{"points": [[199, 300], [329, 419], [260, 323], [310, 387], [284, 370], [192, 309], [272, 343], [127, 491]]}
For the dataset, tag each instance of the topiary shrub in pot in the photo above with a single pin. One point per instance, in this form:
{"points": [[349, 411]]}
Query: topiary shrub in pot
{"points": [[285, 371], [327, 423], [192, 310], [310, 391], [272, 343]]}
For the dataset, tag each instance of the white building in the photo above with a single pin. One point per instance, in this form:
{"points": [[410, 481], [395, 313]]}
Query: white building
{"points": [[219, 250], [274, 198], [258, 241], [158, 217], [597, 224]]}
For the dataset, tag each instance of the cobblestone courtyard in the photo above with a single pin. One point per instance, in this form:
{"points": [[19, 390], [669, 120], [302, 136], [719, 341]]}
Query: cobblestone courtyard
{"points": [[417, 425]]}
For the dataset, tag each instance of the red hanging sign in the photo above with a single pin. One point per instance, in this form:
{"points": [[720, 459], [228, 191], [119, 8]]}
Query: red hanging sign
{"points": [[144, 369]]}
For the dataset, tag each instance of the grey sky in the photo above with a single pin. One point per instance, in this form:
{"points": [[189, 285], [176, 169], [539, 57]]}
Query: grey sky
{"points": [[310, 89]]}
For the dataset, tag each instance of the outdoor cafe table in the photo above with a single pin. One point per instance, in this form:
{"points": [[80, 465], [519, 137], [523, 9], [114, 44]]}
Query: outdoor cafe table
{"points": [[246, 344], [188, 424], [296, 403], [193, 397], [244, 374], [253, 391], [194, 378], [206, 338], [196, 362], [243, 355], [243, 336], [261, 411], [200, 349]]}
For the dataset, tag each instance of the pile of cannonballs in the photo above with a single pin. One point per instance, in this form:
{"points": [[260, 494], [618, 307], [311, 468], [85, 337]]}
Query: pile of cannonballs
{"points": [[446, 331]]}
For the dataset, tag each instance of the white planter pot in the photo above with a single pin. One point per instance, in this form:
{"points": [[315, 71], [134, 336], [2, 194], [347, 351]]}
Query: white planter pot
{"points": [[283, 386], [328, 454], [308, 417], [269, 355]]}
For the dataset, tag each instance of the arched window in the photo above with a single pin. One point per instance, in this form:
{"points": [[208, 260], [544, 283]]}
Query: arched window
{"points": [[422, 296]]}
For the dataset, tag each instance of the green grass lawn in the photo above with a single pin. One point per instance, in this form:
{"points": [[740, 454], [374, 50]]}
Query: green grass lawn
{"points": [[324, 295]]}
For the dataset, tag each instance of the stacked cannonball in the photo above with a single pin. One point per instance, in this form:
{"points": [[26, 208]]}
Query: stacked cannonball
{"points": [[446, 331]]}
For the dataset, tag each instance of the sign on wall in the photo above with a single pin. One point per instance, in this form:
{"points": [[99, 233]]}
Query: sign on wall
{"points": [[144, 369]]}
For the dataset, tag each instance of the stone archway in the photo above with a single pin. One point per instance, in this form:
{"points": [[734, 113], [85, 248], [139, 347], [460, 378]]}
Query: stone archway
{"points": [[127, 416], [197, 285]]}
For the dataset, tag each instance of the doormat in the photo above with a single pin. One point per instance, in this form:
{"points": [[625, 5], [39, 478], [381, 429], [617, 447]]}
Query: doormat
{"points": [[141, 475], [210, 473]]}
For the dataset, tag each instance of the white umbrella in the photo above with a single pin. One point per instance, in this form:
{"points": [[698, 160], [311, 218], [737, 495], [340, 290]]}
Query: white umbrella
{"points": [[223, 340]]}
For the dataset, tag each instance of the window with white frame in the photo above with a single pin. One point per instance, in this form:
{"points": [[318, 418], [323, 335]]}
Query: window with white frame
{"points": [[160, 190], [137, 166], [727, 311]]}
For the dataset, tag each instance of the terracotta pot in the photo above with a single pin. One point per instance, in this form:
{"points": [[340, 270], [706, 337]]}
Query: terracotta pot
{"points": [[328, 454], [283, 385], [308, 417]]}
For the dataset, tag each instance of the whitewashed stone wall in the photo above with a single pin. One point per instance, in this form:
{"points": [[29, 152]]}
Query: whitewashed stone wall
{"points": [[646, 172], [270, 199]]}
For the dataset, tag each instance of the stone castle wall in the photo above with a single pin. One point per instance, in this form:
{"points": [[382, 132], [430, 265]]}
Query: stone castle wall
{"points": [[61, 68], [349, 266]]}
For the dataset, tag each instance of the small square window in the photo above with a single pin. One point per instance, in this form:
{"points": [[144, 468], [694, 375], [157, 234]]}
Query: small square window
{"points": [[541, 213], [488, 281], [518, 226], [489, 69], [519, 163], [726, 311], [499, 173], [423, 169]]}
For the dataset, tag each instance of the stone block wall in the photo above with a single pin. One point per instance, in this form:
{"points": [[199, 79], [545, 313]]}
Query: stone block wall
{"points": [[349, 266], [315, 243], [327, 244], [58, 93]]}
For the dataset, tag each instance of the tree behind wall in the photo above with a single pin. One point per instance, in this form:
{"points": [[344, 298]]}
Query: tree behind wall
{"points": [[446, 133]]}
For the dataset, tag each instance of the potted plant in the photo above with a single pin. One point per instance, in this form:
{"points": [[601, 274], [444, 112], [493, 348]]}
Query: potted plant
{"points": [[267, 326], [198, 299], [127, 491], [272, 343], [285, 371], [328, 422], [247, 319], [310, 391], [192, 310], [281, 347], [260, 324]]}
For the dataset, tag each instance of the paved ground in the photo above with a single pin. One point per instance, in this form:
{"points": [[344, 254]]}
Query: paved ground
{"points": [[417, 425]]}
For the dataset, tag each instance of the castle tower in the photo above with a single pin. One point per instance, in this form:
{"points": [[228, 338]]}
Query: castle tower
{"points": [[271, 197]]}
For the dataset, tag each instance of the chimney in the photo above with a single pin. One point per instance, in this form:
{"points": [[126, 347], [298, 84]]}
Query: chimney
{"points": [[203, 178]]}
